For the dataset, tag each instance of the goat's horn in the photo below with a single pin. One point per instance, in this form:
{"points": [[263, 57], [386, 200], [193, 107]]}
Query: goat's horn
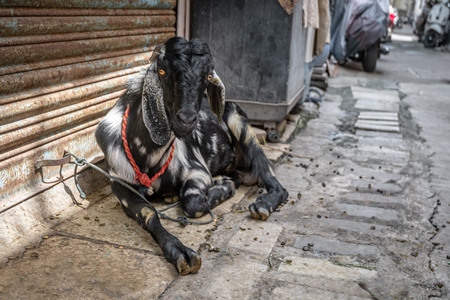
{"points": [[159, 51]]}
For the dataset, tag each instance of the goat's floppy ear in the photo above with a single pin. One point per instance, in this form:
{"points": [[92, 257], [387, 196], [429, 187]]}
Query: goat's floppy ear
{"points": [[153, 110], [216, 95]]}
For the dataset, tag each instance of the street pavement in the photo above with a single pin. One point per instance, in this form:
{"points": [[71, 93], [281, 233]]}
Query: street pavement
{"points": [[367, 216]]}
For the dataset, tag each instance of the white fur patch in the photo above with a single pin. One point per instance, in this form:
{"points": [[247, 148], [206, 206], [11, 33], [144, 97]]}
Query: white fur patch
{"points": [[180, 162], [235, 125], [250, 135], [199, 135], [147, 213], [137, 141], [271, 171], [113, 121], [192, 191], [203, 180], [156, 156], [156, 184], [202, 115], [136, 81], [142, 150], [119, 165], [214, 142], [200, 158]]}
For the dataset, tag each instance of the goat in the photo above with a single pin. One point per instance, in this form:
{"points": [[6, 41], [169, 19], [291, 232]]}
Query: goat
{"points": [[200, 148]]}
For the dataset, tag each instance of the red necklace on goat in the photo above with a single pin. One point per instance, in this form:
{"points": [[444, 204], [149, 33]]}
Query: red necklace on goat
{"points": [[140, 177]]}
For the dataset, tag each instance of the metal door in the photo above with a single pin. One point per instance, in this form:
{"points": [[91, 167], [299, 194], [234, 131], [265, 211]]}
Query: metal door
{"points": [[63, 65]]}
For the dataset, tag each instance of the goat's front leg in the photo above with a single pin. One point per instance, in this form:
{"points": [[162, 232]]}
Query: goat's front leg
{"points": [[198, 199], [183, 258], [265, 204], [255, 162]]}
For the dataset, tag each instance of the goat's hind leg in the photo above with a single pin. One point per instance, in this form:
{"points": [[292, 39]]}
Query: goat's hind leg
{"points": [[255, 162], [196, 200], [223, 189], [183, 258]]}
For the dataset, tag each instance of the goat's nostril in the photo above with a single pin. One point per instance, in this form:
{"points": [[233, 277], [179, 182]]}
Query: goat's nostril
{"points": [[187, 118]]}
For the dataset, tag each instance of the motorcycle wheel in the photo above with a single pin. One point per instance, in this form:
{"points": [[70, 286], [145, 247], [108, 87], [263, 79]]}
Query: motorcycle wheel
{"points": [[369, 59], [431, 39]]}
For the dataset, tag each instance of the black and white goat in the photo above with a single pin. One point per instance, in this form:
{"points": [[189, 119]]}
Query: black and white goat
{"points": [[164, 128]]}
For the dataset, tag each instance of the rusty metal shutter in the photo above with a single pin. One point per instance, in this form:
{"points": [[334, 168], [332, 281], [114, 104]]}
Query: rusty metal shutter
{"points": [[63, 65]]}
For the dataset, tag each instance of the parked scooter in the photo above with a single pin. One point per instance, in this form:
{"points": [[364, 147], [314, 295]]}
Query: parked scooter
{"points": [[392, 19], [437, 26], [398, 22], [421, 19], [357, 28]]}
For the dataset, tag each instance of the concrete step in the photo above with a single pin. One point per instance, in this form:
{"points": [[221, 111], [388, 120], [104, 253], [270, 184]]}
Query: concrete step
{"points": [[378, 126], [365, 115], [378, 122]]}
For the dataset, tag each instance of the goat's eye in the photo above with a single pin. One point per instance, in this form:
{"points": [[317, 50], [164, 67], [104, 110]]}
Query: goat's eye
{"points": [[209, 77], [161, 72]]}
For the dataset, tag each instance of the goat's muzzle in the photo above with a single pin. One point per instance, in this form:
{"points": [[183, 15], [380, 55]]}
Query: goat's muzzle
{"points": [[184, 122]]}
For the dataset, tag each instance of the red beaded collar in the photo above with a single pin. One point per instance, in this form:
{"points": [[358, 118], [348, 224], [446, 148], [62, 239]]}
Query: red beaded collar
{"points": [[140, 177]]}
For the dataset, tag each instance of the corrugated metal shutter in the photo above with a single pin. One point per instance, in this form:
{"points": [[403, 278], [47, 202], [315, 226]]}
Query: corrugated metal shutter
{"points": [[63, 65]]}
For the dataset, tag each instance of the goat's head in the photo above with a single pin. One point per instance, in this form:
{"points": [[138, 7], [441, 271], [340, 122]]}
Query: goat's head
{"points": [[174, 85]]}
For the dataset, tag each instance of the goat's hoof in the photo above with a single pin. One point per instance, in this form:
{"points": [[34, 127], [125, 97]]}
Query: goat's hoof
{"points": [[259, 213], [170, 200], [184, 268], [196, 264]]}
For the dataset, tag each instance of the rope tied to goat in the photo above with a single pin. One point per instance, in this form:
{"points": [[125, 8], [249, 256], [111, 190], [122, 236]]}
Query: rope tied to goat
{"points": [[81, 162]]}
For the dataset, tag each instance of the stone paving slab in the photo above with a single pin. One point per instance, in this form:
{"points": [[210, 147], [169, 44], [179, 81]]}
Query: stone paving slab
{"points": [[222, 282], [368, 212], [385, 90], [358, 227], [326, 244], [106, 221], [320, 268], [318, 286], [369, 133], [378, 122], [380, 117], [395, 159], [256, 237], [374, 187], [376, 100], [68, 268], [230, 286], [374, 198], [291, 292], [355, 172], [387, 116], [384, 151], [378, 126], [384, 142], [377, 105], [320, 129], [374, 94]]}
